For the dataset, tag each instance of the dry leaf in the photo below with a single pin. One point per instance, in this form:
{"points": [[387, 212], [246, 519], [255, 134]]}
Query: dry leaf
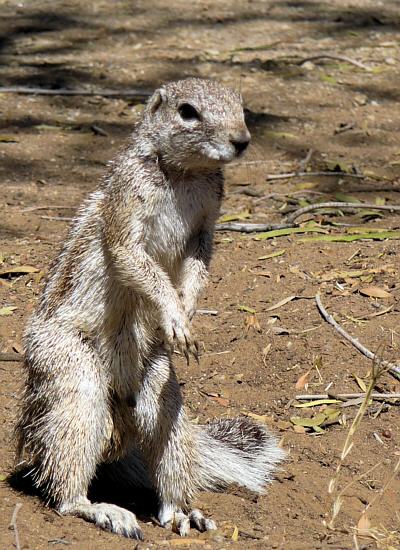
{"points": [[281, 303], [302, 381], [220, 400], [289, 231], [263, 418], [7, 310], [363, 523], [316, 420], [316, 403], [360, 382], [334, 274], [273, 319], [246, 309], [299, 429], [296, 271], [262, 273], [283, 425], [6, 138], [339, 238], [37, 277], [235, 217], [265, 352], [272, 255], [375, 292], [235, 534], [280, 330]]}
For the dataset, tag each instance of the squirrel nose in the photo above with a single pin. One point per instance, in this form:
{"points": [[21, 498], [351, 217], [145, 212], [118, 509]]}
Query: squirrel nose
{"points": [[240, 146], [240, 141]]}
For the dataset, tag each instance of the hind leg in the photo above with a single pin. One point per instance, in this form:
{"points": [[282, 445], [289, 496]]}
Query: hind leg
{"points": [[66, 425], [168, 444]]}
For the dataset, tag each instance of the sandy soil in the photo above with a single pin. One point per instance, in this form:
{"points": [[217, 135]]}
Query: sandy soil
{"points": [[52, 153]]}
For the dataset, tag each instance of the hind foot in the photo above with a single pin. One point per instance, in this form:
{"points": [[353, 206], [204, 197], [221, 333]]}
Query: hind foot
{"points": [[178, 521], [106, 516]]}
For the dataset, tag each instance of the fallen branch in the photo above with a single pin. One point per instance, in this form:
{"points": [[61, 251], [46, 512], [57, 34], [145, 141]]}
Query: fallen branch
{"points": [[343, 58], [139, 95], [290, 219], [345, 396], [250, 227], [341, 205], [271, 177], [393, 369], [14, 527]]}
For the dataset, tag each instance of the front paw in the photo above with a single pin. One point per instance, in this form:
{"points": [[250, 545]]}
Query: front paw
{"points": [[176, 328], [188, 304]]}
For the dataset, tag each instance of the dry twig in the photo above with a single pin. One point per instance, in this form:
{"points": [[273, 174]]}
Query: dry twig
{"points": [[341, 205], [343, 58], [304, 163], [14, 527], [393, 369], [139, 95], [11, 357], [345, 396], [250, 227], [288, 175], [290, 219]]}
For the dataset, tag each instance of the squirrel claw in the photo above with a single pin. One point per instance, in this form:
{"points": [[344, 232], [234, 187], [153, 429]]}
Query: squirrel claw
{"points": [[186, 354], [181, 522], [201, 523], [195, 351]]}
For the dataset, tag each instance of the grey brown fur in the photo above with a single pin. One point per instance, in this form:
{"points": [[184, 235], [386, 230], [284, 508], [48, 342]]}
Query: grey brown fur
{"points": [[101, 387]]}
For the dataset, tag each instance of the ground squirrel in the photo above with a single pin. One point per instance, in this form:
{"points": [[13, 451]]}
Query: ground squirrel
{"points": [[101, 387]]}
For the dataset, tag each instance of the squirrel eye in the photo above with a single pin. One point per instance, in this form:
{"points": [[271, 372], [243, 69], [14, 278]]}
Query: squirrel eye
{"points": [[188, 112]]}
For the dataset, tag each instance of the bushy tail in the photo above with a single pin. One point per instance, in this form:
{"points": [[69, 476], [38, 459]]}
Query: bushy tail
{"points": [[233, 450], [237, 450]]}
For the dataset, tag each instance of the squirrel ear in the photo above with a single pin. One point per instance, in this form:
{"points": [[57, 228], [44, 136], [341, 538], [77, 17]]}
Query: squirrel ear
{"points": [[156, 99]]}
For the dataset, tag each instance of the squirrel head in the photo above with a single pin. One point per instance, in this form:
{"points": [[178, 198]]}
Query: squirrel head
{"points": [[196, 123]]}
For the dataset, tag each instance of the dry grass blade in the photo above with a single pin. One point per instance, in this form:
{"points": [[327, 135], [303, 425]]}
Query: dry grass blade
{"points": [[360, 413], [377, 371], [394, 473]]}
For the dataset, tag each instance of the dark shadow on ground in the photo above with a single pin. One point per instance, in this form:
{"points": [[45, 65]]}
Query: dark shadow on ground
{"points": [[142, 502]]}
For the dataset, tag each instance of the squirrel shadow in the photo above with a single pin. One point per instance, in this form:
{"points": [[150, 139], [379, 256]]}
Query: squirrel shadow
{"points": [[142, 502]]}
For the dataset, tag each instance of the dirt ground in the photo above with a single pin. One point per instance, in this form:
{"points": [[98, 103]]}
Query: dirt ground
{"points": [[53, 150]]}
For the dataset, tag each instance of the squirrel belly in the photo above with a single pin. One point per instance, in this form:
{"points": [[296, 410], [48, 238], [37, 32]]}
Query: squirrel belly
{"points": [[101, 389]]}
